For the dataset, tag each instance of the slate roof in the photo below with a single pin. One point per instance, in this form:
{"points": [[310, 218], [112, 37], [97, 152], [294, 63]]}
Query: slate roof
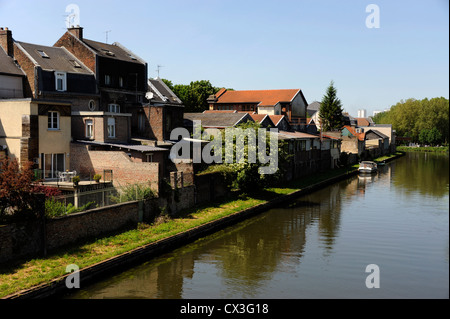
{"points": [[134, 147], [113, 51], [383, 136], [54, 58], [259, 97], [217, 120], [313, 108], [7, 65], [162, 93]]}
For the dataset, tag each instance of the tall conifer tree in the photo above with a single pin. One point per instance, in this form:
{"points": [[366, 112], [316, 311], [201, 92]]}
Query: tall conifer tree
{"points": [[331, 110]]}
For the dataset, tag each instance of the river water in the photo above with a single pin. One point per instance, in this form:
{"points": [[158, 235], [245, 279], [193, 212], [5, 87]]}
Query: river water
{"points": [[317, 246]]}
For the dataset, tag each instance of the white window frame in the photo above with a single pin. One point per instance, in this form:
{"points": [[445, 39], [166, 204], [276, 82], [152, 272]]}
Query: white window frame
{"points": [[63, 77], [113, 108], [89, 125], [52, 115], [111, 127]]}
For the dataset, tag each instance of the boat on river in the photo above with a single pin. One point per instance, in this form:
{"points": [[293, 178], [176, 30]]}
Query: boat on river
{"points": [[367, 167]]}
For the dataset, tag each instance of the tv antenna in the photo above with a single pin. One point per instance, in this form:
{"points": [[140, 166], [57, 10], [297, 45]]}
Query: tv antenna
{"points": [[107, 35], [158, 68]]}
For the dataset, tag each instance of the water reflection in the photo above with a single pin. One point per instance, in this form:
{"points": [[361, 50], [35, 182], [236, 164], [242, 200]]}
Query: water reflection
{"points": [[244, 257], [266, 255], [426, 173]]}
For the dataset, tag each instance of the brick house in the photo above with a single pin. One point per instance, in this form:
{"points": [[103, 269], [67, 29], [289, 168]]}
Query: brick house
{"points": [[121, 79], [12, 77], [36, 124], [290, 103], [157, 118]]}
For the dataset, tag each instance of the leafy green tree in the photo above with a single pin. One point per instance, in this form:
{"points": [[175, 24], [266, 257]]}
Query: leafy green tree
{"points": [[416, 118], [434, 136], [331, 110], [194, 95], [247, 175]]}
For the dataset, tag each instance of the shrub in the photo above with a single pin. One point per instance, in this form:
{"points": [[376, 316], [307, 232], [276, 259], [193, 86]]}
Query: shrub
{"points": [[76, 179], [97, 177], [134, 192], [55, 208]]}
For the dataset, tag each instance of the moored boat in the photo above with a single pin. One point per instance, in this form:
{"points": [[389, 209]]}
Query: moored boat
{"points": [[367, 167]]}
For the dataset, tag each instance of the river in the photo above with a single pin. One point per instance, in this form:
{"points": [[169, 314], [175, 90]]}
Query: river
{"points": [[317, 246]]}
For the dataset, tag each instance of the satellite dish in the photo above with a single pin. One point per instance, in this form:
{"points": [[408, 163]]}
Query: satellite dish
{"points": [[149, 95]]}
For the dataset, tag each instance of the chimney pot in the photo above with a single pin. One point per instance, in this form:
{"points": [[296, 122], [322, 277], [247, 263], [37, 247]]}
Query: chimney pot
{"points": [[6, 41], [76, 31]]}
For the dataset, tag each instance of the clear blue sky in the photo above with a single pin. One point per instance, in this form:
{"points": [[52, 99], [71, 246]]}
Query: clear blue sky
{"points": [[267, 44]]}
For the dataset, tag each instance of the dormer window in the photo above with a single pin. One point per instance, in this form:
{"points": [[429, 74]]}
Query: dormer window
{"points": [[60, 81], [107, 52], [43, 54], [75, 64]]}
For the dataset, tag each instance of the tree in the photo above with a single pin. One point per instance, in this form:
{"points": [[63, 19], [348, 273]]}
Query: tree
{"points": [[246, 175], [194, 95], [331, 110], [416, 118], [15, 188]]}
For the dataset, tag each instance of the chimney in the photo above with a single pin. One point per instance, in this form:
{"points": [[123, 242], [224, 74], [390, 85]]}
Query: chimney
{"points": [[77, 32], [6, 41]]}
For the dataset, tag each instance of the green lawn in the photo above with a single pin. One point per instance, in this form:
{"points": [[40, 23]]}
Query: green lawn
{"points": [[441, 149]]}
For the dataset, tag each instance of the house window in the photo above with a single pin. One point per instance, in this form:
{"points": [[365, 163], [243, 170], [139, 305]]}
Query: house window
{"points": [[53, 120], [43, 54], [75, 64], [107, 79], [92, 105], [150, 157], [141, 122], [120, 81], [302, 145], [52, 164], [89, 128], [111, 127], [114, 108], [61, 81]]}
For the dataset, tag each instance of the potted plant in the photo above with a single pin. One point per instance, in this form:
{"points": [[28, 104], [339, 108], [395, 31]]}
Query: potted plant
{"points": [[97, 178], [76, 180]]}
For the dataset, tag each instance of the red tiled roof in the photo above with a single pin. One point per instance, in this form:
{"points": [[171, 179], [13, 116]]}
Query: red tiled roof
{"points": [[360, 136], [258, 117], [361, 121], [276, 118], [260, 97]]}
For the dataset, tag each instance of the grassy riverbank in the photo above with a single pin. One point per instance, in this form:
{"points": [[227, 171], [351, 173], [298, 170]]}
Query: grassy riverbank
{"points": [[38, 271], [440, 149]]}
